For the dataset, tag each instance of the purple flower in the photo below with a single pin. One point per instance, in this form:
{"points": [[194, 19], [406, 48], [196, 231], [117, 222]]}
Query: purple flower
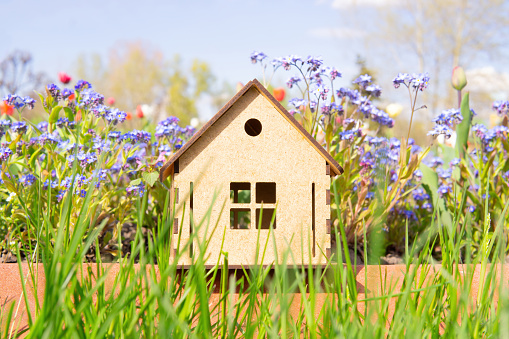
{"points": [[100, 111], [376, 141], [441, 129], [60, 195], [82, 84], [363, 80], [314, 63], [27, 180], [62, 122], [471, 208], [427, 206], [4, 124], [419, 194], [67, 93], [188, 131], [332, 72], [480, 130], [136, 190], [351, 94], [501, 106], [374, 90], [394, 143], [401, 78], [85, 158], [444, 189], [257, 57], [90, 98], [444, 173], [116, 116], [54, 91], [5, 153], [50, 138], [14, 100], [43, 126], [435, 162], [454, 162], [287, 62], [19, 127], [350, 134], [52, 184], [420, 81], [29, 102], [331, 109], [409, 214], [292, 81], [297, 103], [449, 117], [320, 91], [115, 135]]}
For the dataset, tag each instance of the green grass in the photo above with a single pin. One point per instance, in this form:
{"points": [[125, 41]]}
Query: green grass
{"points": [[154, 298]]}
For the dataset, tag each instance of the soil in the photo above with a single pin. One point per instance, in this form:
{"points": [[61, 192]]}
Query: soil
{"points": [[109, 250]]}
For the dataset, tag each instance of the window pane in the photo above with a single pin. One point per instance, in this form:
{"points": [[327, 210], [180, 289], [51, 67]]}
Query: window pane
{"points": [[240, 218], [266, 214], [266, 192], [240, 192]]}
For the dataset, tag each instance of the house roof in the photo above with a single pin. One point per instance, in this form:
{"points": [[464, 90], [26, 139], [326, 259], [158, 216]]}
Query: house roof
{"points": [[334, 166]]}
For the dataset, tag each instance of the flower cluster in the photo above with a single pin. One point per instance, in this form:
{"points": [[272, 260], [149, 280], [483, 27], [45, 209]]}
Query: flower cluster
{"points": [[502, 107], [19, 102], [445, 122], [72, 142], [416, 81]]}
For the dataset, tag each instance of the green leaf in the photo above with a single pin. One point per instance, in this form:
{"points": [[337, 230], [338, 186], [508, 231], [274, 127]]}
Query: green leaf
{"points": [[53, 117], [135, 182], [34, 156], [463, 129], [430, 184], [68, 113], [9, 184], [150, 178], [42, 100]]}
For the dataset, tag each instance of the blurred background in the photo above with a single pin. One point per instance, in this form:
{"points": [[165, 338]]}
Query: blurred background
{"points": [[187, 58]]}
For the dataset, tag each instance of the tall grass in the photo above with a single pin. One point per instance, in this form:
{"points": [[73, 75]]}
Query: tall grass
{"points": [[155, 298]]}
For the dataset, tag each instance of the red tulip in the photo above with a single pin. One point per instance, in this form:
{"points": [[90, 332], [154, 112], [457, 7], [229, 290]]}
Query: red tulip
{"points": [[5, 108], [64, 77], [279, 93], [110, 101], [129, 115], [71, 97], [139, 112]]}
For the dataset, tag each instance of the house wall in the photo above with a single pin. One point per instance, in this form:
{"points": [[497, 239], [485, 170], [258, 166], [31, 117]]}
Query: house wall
{"points": [[226, 153]]}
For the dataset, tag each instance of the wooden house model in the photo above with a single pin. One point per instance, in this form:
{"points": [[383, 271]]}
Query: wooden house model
{"points": [[257, 177]]}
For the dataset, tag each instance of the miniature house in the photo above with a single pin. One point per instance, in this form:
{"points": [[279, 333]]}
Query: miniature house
{"points": [[252, 176]]}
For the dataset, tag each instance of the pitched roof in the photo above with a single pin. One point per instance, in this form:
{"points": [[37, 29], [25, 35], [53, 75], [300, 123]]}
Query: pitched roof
{"points": [[334, 166]]}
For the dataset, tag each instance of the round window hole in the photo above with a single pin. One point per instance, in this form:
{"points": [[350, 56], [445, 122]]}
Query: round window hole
{"points": [[253, 127]]}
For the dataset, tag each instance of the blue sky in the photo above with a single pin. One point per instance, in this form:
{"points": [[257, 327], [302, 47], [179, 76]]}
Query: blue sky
{"points": [[221, 32]]}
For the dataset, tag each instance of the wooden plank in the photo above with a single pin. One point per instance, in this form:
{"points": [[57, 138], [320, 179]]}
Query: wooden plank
{"points": [[328, 225], [327, 197]]}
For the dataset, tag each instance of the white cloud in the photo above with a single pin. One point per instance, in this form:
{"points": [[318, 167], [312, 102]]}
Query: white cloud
{"points": [[488, 80], [336, 32], [346, 4]]}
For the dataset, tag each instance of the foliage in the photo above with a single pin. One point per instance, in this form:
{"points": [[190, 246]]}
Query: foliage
{"points": [[380, 190], [156, 299], [77, 153], [136, 74]]}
